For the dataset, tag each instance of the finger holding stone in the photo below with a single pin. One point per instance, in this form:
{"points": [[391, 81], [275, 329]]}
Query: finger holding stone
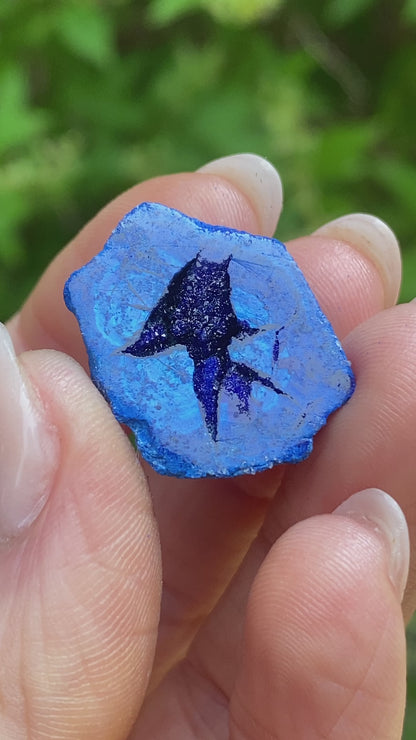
{"points": [[44, 321], [214, 524], [369, 443], [243, 192], [190, 592], [353, 266], [323, 652], [372, 237], [320, 646]]}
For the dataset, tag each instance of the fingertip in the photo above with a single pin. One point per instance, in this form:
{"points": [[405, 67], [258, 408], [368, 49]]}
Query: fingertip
{"points": [[324, 646], [373, 238], [256, 177], [379, 511], [346, 283], [29, 445]]}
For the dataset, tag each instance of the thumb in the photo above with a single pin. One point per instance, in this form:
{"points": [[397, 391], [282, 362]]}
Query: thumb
{"points": [[324, 647], [79, 557]]}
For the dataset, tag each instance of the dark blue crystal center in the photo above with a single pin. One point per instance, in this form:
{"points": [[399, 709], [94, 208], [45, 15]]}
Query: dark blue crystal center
{"points": [[196, 312]]}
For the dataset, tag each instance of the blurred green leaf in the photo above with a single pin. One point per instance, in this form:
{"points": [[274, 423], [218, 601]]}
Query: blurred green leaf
{"points": [[410, 719], [240, 11], [407, 293], [409, 11], [18, 122], [163, 12], [341, 12], [344, 151], [192, 71], [7, 7], [399, 179], [14, 210], [86, 30]]}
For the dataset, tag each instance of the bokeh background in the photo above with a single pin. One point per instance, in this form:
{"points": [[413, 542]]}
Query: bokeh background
{"points": [[97, 95]]}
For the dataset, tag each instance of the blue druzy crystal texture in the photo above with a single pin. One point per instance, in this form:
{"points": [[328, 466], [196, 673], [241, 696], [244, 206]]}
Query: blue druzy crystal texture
{"points": [[208, 343]]}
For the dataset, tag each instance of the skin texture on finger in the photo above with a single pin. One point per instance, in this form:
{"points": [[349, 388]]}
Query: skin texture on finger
{"points": [[324, 646], [345, 282], [206, 529], [214, 522], [80, 589]]}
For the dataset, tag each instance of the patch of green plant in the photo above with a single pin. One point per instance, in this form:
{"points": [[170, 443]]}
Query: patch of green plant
{"points": [[98, 95]]}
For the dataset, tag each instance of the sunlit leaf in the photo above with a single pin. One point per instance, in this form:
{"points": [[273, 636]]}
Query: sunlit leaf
{"points": [[409, 11], [241, 11], [399, 178], [86, 30], [238, 12], [163, 12], [7, 8], [18, 122]]}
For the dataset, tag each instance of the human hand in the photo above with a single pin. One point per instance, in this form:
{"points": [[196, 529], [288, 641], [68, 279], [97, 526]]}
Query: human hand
{"points": [[277, 618]]}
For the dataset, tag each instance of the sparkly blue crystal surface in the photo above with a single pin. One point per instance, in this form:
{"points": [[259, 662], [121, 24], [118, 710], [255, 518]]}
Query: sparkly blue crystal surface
{"points": [[208, 343]]}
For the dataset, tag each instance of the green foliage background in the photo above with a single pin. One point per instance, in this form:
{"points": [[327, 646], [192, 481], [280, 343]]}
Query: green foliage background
{"points": [[97, 95]]}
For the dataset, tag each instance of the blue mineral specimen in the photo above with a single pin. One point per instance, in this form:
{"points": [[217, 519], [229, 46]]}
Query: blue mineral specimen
{"points": [[208, 343]]}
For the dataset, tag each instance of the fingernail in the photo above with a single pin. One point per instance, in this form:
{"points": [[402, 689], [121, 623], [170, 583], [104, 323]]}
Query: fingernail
{"points": [[383, 515], [27, 446], [375, 240], [258, 180]]}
